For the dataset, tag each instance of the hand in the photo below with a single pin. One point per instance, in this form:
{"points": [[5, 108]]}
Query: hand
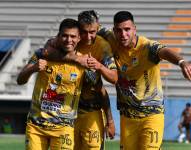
{"points": [[110, 129], [93, 63], [186, 70], [40, 65], [82, 60]]}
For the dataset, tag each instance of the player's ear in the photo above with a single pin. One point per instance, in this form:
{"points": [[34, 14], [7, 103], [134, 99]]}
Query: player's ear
{"points": [[99, 27], [79, 38], [135, 30], [114, 29]]}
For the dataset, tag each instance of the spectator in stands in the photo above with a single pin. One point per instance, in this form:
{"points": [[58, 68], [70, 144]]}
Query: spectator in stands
{"points": [[139, 88], [55, 96], [89, 126], [6, 126], [185, 122]]}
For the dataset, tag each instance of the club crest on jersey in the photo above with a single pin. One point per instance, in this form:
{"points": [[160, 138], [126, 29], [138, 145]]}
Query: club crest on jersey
{"points": [[73, 77], [135, 61], [124, 68]]}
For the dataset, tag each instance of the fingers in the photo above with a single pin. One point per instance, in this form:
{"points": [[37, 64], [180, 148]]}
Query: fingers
{"points": [[93, 63], [188, 73], [89, 55], [110, 131], [186, 70], [42, 64]]}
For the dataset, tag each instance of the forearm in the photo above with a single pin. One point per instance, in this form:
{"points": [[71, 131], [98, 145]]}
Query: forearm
{"points": [[108, 74], [107, 110], [108, 114], [24, 75], [170, 56], [52, 54], [106, 104], [110, 126]]}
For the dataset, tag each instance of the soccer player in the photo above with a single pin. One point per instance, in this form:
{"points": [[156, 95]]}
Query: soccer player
{"points": [[139, 88], [89, 129], [94, 100], [185, 122], [50, 122]]}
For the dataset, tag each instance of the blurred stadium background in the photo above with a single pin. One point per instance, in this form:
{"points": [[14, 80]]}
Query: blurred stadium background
{"points": [[25, 25]]}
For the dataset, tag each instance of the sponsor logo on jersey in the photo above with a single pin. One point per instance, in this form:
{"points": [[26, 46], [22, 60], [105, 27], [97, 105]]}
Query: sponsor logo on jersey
{"points": [[50, 106]]}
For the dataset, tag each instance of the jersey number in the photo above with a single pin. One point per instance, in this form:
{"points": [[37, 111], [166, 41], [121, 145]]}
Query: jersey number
{"points": [[154, 136]]}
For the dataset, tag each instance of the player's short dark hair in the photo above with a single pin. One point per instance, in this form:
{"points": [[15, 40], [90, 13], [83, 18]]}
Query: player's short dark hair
{"points": [[68, 23], [188, 104], [122, 16], [88, 17]]}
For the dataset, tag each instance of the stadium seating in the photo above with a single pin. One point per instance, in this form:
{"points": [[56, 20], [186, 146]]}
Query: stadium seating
{"points": [[16, 50], [165, 20]]}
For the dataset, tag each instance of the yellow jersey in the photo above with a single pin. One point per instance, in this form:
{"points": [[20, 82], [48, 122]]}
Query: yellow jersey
{"points": [[56, 94], [90, 97], [139, 87]]}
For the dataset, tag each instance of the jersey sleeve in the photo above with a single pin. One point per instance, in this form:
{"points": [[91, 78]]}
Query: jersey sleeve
{"points": [[36, 56], [153, 48], [108, 59]]}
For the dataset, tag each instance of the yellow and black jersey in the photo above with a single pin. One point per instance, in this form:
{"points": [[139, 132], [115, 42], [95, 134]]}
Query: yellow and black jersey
{"points": [[139, 87], [56, 94], [101, 51]]}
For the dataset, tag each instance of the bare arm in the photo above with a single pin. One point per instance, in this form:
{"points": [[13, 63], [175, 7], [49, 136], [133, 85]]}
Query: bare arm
{"points": [[110, 126], [108, 74], [29, 69], [53, 52], [175, 58]]}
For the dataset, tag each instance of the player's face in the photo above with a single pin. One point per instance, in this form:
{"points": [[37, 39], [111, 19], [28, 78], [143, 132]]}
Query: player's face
{"points": [[69, 39], [125, 33], [88, 32]]}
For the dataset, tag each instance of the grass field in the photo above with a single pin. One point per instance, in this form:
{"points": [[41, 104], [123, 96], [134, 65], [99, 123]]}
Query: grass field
{"points": [[16, 142]]}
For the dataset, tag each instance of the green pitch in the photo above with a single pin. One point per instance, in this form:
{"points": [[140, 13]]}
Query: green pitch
{"points": [[16, 142], [12, 142], [114, 145]]}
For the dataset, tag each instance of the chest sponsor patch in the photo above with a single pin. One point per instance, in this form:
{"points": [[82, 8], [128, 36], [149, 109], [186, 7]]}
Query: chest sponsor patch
{"points": [[50, 106]]}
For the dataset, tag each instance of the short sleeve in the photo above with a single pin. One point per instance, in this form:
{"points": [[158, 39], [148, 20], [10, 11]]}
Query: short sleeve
{"points": [[108, 59], [153, 48], [36, 56]]}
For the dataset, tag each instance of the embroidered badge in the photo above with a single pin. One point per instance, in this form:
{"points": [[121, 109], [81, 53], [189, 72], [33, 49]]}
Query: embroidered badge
{"points": [[73, 77], [134, 61]]}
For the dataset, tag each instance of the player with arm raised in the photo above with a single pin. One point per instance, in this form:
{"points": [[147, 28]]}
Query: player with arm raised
{"points": [[139, 88], [50, 122]]}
